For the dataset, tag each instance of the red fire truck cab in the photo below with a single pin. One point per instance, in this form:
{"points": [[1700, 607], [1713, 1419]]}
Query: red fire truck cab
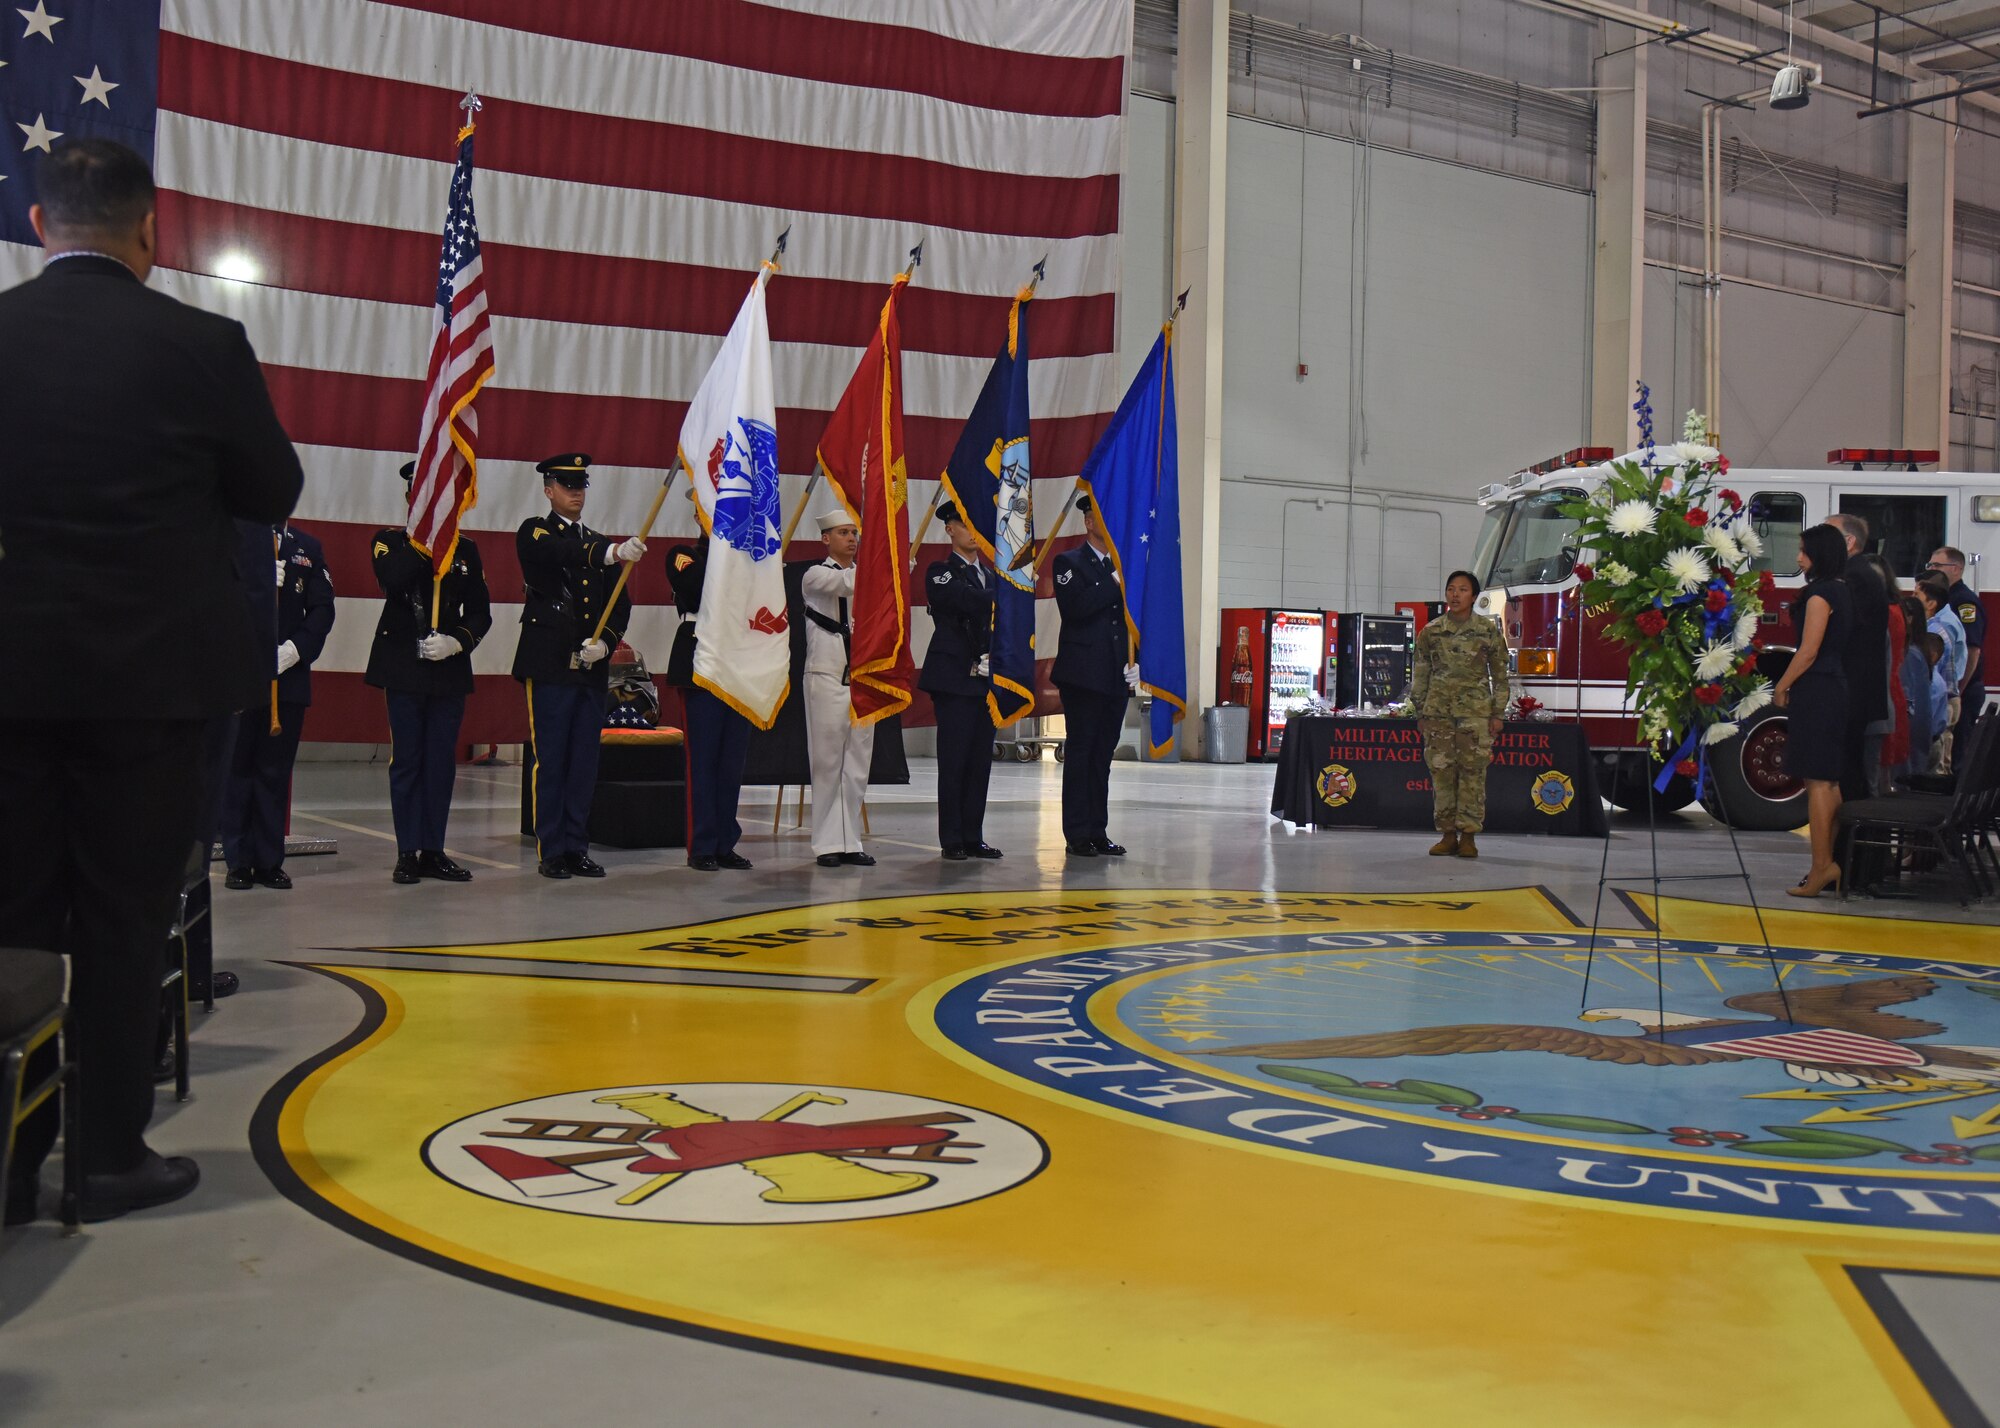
{"points": [[1527, 554]]}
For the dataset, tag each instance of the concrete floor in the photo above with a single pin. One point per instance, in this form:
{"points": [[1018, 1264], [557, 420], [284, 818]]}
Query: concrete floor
{"points": [[237, 1307]]}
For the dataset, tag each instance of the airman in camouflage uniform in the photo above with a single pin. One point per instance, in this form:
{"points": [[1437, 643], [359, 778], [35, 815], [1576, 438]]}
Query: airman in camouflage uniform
{"points": [[1460, 697]]}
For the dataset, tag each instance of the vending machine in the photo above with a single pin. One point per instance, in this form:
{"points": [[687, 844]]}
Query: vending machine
{"points": [[1376, 654], [1421, 612], [1270, 659]]}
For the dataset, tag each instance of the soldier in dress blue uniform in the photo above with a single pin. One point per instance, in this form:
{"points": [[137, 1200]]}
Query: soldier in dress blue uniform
{"points": [[426, 672], [567, 570], [718, 738], [258, 795], [1096, 678], [959, 592]]}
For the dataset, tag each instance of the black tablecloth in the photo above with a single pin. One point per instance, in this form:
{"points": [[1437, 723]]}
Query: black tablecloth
{"points": [[1370, 773]]}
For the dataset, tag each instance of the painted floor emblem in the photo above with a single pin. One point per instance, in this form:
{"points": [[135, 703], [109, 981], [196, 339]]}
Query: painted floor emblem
{"points": [[735, 1153]]}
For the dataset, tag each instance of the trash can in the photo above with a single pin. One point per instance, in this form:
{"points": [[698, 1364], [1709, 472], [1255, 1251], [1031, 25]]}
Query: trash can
{"points": [[1226, 730]]}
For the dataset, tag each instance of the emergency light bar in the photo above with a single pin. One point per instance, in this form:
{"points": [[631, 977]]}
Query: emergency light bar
{"points": [[1858, 456], [1575, 456]]}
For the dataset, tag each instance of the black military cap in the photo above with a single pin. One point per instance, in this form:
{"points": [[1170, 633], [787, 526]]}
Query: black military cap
{"points": [[1083, 504], [947, 513], [570, 469], [407, 470]]}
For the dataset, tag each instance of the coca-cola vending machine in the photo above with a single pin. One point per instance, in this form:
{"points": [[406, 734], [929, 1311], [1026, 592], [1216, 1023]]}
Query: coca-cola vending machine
{"points": [[1271, 659]]}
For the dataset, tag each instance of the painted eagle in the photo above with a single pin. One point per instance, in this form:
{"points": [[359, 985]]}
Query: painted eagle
{"points": [[1837, 1035]]}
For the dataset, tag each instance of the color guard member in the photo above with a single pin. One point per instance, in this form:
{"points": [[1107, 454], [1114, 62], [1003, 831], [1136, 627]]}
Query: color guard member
{"points": [[959, 592], [425, 670], [841, 749], [718, 738], [1096, 680], [568, 570]]}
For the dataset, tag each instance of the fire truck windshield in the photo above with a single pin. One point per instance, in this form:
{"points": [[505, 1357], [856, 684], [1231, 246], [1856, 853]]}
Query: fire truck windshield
{"points": [[1530, 541]]}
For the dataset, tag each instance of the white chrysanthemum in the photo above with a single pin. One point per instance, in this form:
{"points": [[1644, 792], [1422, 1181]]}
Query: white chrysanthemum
{"points": [[1749, 542], [1717, 732], [1616, 573], [1716, 660], [1686, 567], [1746, 631], [1631, 518], [1722, 543], [1757, 698], [1695, 451]]}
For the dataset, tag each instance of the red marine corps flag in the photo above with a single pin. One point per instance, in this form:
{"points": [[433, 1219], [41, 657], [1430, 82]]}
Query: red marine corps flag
{"points": [[445, 484], [861, 454]]}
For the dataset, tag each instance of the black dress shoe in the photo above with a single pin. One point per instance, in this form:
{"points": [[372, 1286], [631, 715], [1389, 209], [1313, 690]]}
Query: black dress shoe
{"points": [[857, 860], [239, 879], [953, 855], [828, 860], [158, 1180], [1108, 848], [407, 871], [583, 865], [735, 862], [276, 878], [220, 985], [553, 868], [435, 864], [984, 850], [703, 864], [1082, 848]]}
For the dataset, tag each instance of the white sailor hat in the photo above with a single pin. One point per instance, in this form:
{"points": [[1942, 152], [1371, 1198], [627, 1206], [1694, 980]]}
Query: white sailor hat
{"points": [[835, 519]]}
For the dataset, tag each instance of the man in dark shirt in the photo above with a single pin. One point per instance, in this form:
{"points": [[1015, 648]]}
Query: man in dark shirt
{"points": [[1866, 661]]}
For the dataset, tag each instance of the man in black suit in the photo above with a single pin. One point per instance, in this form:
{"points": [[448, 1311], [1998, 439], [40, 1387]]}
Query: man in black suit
{"points": [[257, 799], [1096, 678], [568, 570], [136, 428], [424, 665], [718, 738], [959, 592]]}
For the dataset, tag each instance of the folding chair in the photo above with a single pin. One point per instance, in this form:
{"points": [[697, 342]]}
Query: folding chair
{"points": [[32, 1015]]}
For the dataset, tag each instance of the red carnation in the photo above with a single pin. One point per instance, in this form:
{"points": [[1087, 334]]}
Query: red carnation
{"points": [[1717, 598], [1767, 588], [1722, 465], [1747, 666], [1708, 693], [1650, 622], [1697, 517], [1735, 501], [1687, 768], [1585, 573]]}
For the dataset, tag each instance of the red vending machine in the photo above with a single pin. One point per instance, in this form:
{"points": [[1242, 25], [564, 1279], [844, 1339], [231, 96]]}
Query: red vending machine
{"points": [[1269, 660]]}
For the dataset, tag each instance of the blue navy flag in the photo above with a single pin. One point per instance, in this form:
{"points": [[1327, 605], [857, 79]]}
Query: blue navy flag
{"points": [[990, 481], [72, 70], [1133, 478]]}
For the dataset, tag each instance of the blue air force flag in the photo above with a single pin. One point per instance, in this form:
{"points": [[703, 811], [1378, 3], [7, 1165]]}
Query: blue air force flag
{"points": [[1133, 477], [990, 480]]}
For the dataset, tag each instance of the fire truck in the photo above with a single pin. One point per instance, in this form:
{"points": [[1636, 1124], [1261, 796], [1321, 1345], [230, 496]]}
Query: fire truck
{"points": [[1527, 554]]}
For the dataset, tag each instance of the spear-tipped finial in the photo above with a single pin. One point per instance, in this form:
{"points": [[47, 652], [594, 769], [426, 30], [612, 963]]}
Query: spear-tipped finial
{"points": [[916, 258], [1180, 303], [471, 104], [783, 238], [1042, 269]]}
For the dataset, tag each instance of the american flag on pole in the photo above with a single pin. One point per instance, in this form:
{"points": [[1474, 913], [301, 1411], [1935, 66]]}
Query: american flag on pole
{"points": [[446, 482], [649, 153]]}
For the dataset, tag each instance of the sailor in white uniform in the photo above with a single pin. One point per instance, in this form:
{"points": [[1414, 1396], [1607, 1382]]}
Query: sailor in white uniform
{"points": [[841, 749]]}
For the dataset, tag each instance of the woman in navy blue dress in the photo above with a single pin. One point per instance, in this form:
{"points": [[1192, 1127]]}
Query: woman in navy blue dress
{"points": [[1813, 694]]}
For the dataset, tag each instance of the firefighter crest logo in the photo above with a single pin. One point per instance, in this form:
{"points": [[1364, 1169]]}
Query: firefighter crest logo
{"points": [[1553, 792], [735, 1153], [1336, 784]]}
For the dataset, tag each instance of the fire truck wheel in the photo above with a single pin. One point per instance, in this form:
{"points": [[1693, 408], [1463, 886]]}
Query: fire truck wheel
{"points": [[1749, 785], [1629, 787]]}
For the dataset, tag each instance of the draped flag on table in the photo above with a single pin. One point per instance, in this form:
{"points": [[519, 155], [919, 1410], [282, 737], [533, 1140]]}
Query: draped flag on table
{"points": [[729, 447], [445, 484], [861, 453], [990, 481], [1133, 478]]}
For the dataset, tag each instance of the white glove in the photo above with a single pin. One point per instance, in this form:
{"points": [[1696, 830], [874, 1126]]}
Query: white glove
{"points": [[1132, 677], [984, 668], [592, 652], [437, 646], [627, 550], [288, 655], [281, 573]]}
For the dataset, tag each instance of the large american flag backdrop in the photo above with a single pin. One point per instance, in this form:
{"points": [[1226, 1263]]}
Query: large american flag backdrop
{"points": [[636, 161]]}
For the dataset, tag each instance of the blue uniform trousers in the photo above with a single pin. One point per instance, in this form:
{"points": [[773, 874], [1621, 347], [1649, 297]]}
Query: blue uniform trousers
{"points": [[1092, 722], [564, 721], [718, 740], [423, 765], [257, 797], [965, 767]]}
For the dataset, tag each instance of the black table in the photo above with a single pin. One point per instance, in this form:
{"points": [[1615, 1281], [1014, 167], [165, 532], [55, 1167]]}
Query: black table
{"points": [[1370, 773]]}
